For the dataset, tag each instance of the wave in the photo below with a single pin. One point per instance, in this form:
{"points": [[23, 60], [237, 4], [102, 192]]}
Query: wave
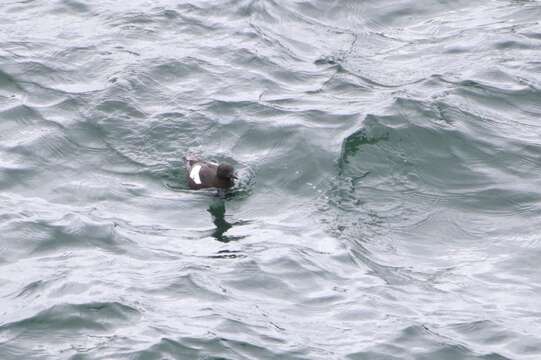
{"points": [[389, 198]]}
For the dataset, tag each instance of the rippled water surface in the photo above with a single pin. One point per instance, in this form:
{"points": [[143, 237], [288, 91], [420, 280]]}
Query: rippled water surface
{"points": [[390, 197]]}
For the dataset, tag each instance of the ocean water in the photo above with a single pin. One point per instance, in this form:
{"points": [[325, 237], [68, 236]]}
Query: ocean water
{"points": [[390, 197]]}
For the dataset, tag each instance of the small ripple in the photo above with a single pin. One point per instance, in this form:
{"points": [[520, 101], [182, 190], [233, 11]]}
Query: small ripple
{"points": [[420, 342], [22, 114], [73, 318], [220, 348], [39, 236]]}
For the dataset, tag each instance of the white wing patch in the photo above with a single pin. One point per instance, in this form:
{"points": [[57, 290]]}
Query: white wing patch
{"points": [[194, 174]]}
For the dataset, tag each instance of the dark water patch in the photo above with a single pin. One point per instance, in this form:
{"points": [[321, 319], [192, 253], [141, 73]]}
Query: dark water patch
{"points": [[20, 6], [18, 175], [73, 6], [510, 44], [42, 72], [532, 35], [22, 114], [120, 108], [69, 232], [217, 210], [483, 332], [382, 177], [520, 101], [191, 286], [435, 346], [354, 142], [252, 60], [211, 348], [9, 85], [166, 347], [71, 319], [403, 133], [184, 69]]}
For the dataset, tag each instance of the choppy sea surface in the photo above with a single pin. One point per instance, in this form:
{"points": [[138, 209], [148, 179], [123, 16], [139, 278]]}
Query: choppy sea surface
{"points": [[390, 197]]}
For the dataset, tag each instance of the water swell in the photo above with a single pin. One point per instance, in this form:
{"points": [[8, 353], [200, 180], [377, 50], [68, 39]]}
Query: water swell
{"points": [[389, 201]]}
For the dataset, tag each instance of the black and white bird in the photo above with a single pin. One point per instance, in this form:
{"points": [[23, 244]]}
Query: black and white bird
{"points": [[203, 174]]}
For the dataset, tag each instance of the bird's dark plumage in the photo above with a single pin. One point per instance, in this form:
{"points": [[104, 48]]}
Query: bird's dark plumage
{"points": [[202, 174]]}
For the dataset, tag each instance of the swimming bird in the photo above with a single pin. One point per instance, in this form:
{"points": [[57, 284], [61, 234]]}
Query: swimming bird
{"points": [[203, 174]]}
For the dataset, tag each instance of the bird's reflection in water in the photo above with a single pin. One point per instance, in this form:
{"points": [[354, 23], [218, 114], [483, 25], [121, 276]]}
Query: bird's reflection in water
{"points": [[217, 211]]}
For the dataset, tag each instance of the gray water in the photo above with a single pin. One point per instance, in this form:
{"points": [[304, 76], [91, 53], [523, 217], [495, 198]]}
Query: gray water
{"points": [[390, 196]]}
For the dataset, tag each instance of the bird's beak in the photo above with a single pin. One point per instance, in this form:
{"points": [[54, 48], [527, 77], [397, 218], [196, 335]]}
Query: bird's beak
{"points": [[234, 176]]}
